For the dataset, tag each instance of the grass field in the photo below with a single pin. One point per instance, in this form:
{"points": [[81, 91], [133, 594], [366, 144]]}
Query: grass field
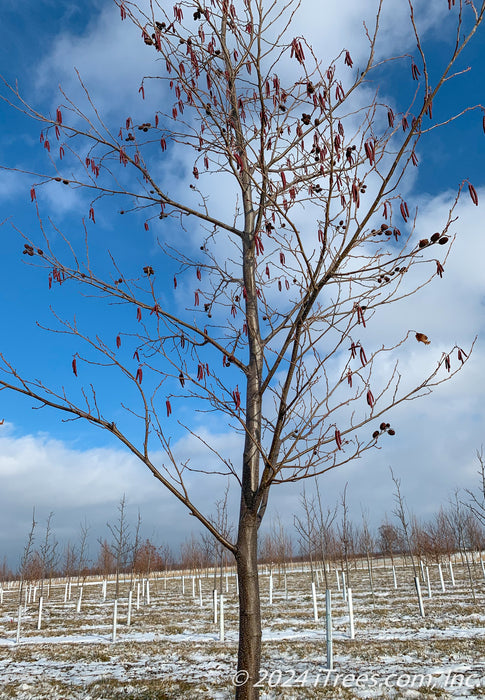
{"points": [[172, 648]]}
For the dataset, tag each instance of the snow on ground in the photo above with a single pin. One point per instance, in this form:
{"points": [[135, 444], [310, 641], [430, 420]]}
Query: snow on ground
{"points": [[172, 648]]}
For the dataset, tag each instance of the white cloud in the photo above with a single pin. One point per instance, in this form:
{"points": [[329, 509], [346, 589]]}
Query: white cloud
{"points": [[37, 471], [450, 309], [55, 472], [110, 59], [12, 184], [337, 26]]}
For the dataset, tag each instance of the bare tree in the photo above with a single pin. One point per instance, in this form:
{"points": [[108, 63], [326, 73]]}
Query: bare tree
{"points": [[325, 519], [148, 559], [69, 561], [214, 547], [280, 275], [368, 545], [27, 555], [135, 549], [418, 539], [400, 513], [475, 533], [280, 545], [476, 502], [443, 536], [307, 529], [48, 555], [426, 541], [193, 555], [458, 517], [165, 555], [121, 545], [6, 574], [346, 534], [390, 540], [82, 559], [106, 563]]}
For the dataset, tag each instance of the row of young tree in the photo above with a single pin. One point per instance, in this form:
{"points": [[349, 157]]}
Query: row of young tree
{"points": [[321, 535]]}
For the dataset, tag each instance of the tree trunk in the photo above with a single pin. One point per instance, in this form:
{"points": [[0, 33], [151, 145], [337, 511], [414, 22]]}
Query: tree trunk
{"points": [[249, 655]]}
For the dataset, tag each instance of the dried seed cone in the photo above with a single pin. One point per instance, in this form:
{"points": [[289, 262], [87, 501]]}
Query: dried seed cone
{"points": [[422, 338]]}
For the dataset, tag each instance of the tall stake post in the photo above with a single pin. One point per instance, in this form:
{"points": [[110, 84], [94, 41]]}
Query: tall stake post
{"points": [[328, 624], [351, 613], [420, 598], [314, 597]]}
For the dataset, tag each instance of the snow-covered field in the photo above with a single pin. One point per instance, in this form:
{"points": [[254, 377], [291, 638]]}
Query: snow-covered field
{"points": [[172, 648]]}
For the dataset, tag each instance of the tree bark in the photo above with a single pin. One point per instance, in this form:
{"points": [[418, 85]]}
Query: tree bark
{"points": [[249, 654]]}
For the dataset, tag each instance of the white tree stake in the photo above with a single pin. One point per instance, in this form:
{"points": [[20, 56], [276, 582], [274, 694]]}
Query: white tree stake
{"points": [[147, 591], [420, 599], [221, 618], [130, 598], [428, 582], [394, 575], [271, 588], [193, 586], [344, 587], [39, 619], [351, 613], [481, 562], [105, 583], [200, 592], [214, 604], [78, 606], [183, 585], [314, 596], [138, 595], [338, 579], [328, 622], [65, 592], [115, 616], [19, 620]]}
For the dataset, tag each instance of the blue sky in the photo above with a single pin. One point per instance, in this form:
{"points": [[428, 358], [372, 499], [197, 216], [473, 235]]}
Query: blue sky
{"points": [[78, 471]]}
